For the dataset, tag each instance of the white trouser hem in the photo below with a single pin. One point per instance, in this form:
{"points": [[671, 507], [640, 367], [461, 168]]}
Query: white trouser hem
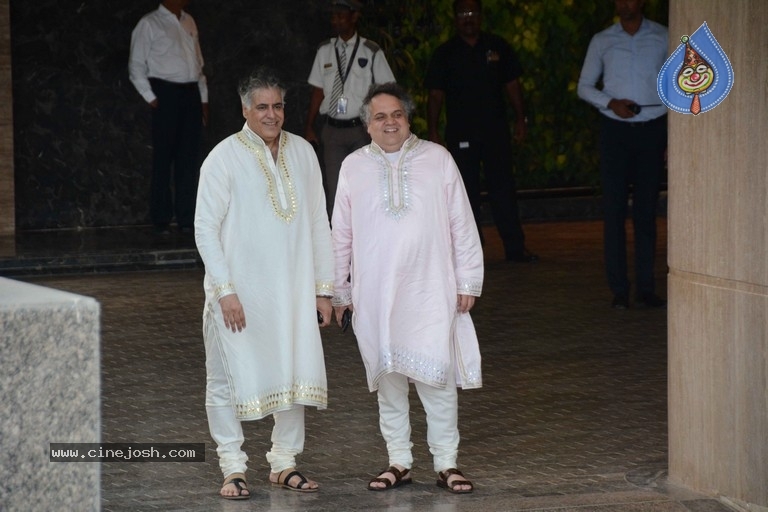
{"points": [[441, 407]]}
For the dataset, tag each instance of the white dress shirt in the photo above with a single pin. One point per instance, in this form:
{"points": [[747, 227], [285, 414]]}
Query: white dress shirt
{"points": [[166, 47]]}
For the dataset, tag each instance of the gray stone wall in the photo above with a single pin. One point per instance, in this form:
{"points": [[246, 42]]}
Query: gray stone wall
{"points": [[81, 131], [50, 388]]}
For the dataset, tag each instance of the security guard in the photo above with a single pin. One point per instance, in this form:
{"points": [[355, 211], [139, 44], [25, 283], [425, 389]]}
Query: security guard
{"points": [[345, 67]]}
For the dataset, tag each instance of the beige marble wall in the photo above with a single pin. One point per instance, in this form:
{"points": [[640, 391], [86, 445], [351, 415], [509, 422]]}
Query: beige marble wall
{"points": [[7, 208], [718, 259]]}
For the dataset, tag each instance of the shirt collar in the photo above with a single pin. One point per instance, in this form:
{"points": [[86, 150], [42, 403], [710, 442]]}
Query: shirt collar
{"points": [[644, 27], [408, 144], [254, 137], [348, 44], [166, 12]]}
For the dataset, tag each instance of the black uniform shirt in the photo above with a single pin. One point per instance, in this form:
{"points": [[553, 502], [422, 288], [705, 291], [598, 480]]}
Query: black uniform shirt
{"points": [[473, 79]]}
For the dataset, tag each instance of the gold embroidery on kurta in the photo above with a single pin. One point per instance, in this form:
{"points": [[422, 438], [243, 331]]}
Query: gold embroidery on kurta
{"points": [[288, 212]]}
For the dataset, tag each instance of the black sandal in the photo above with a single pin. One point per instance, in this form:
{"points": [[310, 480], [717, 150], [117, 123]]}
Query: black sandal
{"points": [[443, 477], [241, 486], [283, 482], [388, 484]]}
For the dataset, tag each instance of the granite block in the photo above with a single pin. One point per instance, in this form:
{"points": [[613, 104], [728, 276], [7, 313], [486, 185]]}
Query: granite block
{"points": [[49, 391]]}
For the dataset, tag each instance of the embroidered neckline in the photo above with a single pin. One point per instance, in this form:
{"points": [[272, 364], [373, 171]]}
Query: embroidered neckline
{"points": [[394, 179], [289, 212]]}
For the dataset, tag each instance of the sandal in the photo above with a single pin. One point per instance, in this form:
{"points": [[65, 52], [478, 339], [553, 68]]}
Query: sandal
{"points": [[388, 484], [443, 477], [239, 484], [283, 481]]}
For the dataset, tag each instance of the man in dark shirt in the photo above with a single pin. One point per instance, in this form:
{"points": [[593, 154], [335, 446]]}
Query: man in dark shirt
{"points": [[472, 73]]}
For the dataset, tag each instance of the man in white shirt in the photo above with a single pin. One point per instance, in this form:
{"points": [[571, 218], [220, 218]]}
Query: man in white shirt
{"points": [[344, 68], [166, 67], [626, 58]]}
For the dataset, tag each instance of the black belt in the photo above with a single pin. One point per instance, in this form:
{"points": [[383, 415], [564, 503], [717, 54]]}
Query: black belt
{"points": [[344, 123], [176, 85], [637, 124]]}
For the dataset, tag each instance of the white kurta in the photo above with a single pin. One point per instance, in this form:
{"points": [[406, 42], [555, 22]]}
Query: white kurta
{"points": [[262, 231], [406, 234]]}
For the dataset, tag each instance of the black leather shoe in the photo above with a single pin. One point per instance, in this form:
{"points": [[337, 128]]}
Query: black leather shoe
{"points": [[651, 300], [620, 302], [523, 257]]}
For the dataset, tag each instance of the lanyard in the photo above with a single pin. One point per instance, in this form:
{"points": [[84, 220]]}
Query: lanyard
{"points": [[349, 61]]}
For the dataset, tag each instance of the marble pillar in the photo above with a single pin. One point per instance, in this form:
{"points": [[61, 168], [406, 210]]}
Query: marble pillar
{"points": [[7, 203], [718, 277], [49, 393]]}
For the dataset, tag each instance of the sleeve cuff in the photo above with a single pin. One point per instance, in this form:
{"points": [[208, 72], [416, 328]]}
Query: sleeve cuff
{"points": [[469, 287], [342, 298], [224, 290], [324, 289]]}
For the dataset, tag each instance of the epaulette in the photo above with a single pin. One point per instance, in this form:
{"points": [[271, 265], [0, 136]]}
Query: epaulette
{"points": [[329, 41], [372, 46]]}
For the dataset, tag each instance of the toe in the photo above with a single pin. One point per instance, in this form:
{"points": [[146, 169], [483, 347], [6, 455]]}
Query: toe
{"points": [[230, 489], [297, 483]]}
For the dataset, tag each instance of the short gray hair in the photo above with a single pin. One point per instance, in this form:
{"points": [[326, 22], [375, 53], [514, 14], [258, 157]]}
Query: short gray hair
{"points": [[260, 78], [392, 89]]}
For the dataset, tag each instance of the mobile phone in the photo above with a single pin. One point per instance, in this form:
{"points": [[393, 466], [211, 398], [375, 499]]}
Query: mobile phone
{"points": [[346, 319], [319, 317]]}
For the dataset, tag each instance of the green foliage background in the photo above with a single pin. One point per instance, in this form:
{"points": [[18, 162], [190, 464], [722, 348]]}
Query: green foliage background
{"points": [[550, 38]]}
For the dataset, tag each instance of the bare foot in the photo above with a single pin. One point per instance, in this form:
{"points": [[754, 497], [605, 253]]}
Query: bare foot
{"points": [[454, 481], [293, 480], [458, 486], [393, 479], [235, 488]]}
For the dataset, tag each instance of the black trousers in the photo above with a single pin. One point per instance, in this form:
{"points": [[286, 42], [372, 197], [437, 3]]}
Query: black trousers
{"points": [[492, 156], [631, 160], [176, 131]]}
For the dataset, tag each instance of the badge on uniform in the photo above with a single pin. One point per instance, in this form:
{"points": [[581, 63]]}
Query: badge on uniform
{"points": [[341, 105], [362, 61]]}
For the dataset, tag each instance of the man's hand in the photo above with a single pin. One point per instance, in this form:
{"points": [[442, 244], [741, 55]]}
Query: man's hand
{"points": [[206, 114], [521, 130], [232, 311], [310, 135], [465, 303], [325, 308], [621, 108], [340, 312]]}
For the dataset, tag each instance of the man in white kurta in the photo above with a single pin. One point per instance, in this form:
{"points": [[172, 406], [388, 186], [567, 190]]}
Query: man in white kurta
{"points": [[403, 230], [262, 231]]}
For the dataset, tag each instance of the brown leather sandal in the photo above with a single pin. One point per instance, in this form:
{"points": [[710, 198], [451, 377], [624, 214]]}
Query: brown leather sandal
{"points": [[443, 477], [238, 481], [400, 479], [282, 481]]}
